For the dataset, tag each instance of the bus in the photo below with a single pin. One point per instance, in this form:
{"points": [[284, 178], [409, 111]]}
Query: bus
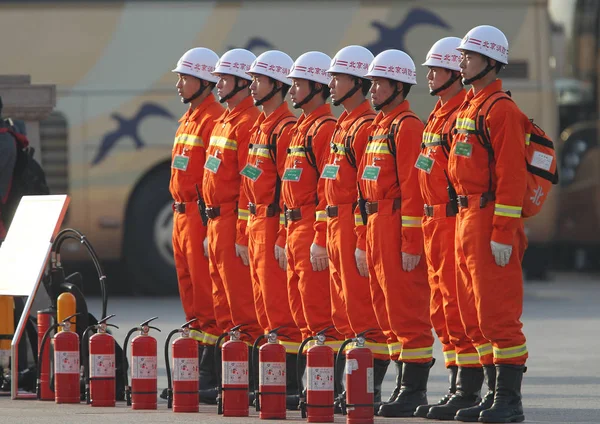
{"points": [[108, 143]]}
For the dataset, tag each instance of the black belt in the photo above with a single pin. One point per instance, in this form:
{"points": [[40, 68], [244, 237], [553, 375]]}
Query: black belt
{"points": [[271, 210], [213, 212], [179, 207], [428, 210], [463, 201], [293, 214], [372, 207]]}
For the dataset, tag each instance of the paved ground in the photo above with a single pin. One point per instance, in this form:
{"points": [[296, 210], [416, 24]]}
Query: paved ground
{"points": [[562, 385]]}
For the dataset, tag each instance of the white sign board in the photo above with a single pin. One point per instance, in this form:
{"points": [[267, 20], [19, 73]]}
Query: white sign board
{"points": [[25, 250]]}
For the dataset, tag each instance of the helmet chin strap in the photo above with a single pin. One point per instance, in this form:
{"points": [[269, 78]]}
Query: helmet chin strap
{"points": [[309, 97], [486, 70], [195, 95], [269, 96], [236, 90], [455, 76], [389, 99], [349, 94]]}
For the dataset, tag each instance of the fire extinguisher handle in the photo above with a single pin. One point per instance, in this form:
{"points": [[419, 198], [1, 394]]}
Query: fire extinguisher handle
{"points": [[69, 317], [190, 322], [103, 320], [148, 321], [155, 328], [364, 333], [112, 325]]}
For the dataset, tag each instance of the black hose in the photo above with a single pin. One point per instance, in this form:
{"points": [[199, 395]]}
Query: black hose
{"points": [[255, 361], [86, 364], [217, 360], [299, 375], [168, 367], [341, 399], [125, 365], [53, 327]]}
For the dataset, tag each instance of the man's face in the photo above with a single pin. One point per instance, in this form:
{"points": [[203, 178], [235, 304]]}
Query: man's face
{"points": [[261, 86], [471, 64], [187, 85], [225, 85], [339, 85], [381, 90], [299, 90], [436, 77]]}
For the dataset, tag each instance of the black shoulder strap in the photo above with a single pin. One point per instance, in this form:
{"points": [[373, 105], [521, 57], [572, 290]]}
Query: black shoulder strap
{"points": [[277, 131], [310, 154], [348, 148], [391, 139]]}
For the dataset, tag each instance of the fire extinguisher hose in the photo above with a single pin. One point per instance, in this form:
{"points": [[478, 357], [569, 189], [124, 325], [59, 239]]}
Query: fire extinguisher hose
{"points": [[53, 327], [168, 368]]}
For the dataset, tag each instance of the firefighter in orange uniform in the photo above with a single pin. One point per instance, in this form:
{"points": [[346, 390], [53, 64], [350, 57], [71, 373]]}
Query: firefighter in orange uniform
{"points": [[302, 193], [195, 84], [262, 185], [226, 203], [392, 201], [350, 293], [439, 222], [490, 238]]}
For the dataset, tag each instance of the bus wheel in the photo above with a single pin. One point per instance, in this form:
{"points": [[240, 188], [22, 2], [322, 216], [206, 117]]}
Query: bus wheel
{"points": [[148, 248]]}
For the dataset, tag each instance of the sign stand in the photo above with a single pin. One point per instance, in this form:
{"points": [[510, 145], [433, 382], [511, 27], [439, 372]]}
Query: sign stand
{"points": [[23, 258]]}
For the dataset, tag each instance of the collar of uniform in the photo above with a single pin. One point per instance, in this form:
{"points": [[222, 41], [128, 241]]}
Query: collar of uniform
{"points": [[305, 121], [447, 109], [201, 108], [267, 124], [384, 121], [346, 119], [477, 99], [240, 108]]}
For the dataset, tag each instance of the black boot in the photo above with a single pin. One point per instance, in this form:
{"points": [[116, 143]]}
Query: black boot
{"points": [[292, 390], [468, 394], [380, 367], [507, 406], [471, 415], [394, 394], [423, 410], [413, 391], [208, 376], [339, 386]]}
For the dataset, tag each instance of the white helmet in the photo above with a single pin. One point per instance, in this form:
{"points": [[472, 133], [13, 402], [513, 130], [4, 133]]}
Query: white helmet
{"points": [[274, 64], [488, 41], [351, 60], [395, 65], [235, 62], [312, 66], [443, 54], [199, 63]]}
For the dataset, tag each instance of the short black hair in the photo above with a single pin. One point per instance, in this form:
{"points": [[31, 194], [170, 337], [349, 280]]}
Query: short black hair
{"points": [[499, 66], [365, 86], [406, 89], [284, 90], [325, 92]]}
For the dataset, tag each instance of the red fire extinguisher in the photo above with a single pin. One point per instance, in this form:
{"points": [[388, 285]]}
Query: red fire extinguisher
{"points": [[45, 319], [66, 362], [359, 381], [318, 406], [101, 375], [143, 390], [182, 394], [270, 389], [232, 397]]}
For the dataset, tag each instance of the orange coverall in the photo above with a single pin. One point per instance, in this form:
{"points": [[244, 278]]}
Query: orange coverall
{"points": [[302, 193], [391, 187], [496, 292], [350, 293], [228, 216], [265, 228], [439, 224], [187, 169]]}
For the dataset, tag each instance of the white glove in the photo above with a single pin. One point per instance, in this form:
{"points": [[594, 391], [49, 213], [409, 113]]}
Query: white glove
{"points": [[281, 257], [318, 257], [501, 253], [205, 245], [242, 252], [410, 262], [361, 262]]}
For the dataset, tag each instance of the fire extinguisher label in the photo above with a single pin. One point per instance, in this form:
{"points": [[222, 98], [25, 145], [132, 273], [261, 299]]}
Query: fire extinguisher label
{"points": [[320, 378], [272, 373], [144, 367], [235, 372], [102, 365], [351, 365], [370, 381], [184, 369], [66, 362]]}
